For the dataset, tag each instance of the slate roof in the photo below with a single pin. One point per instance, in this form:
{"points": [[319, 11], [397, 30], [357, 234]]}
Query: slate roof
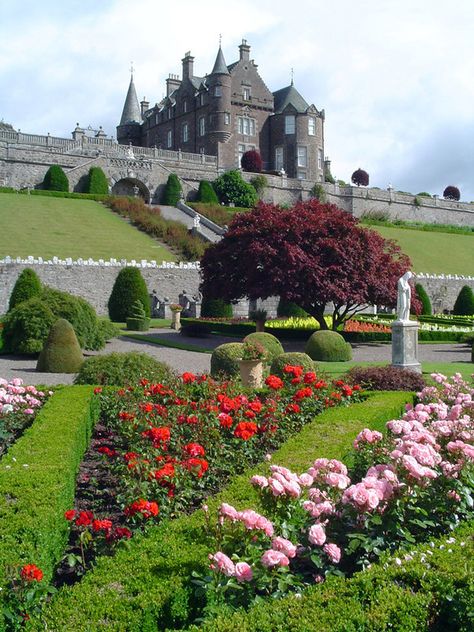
{"points": [[220, 67], [289, 96], [131, 110]]}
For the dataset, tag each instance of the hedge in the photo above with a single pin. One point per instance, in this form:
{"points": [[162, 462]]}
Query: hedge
{"points": [[59, 194], [146, 585], [37, 481]]}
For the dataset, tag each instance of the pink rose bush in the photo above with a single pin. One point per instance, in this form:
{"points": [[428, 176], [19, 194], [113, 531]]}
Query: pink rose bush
{"points": [[413, 482]]}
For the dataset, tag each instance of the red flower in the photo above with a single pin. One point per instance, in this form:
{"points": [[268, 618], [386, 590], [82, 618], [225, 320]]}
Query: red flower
{"points": [[167, 471], [146, 508], [256, 406], [273, 381], [97, 390], [158, 435], [31, 573], [295, 371], [346, 390], [356, 387], [107, 451], [124, 416], [188, 378], [302, 393], [320, 384], [296, 380], [245, 430], [70, 514], [146, 408], [292, 408], [194, 449], [192, 419], [118, 533], [309, 377], [85, 519], [198, 466], [225, 420], [249, 414], [101, 525]]}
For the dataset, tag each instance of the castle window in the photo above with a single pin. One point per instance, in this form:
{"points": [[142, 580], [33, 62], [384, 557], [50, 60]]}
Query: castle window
{"points": [[241, 149], [218, 91], [301, 175], [246, 126], [185, 133], [169, 139], [302, 156], [170, 112], [157, 119], [278, 158], [320, 158], [201, 99], [185, 106], [311, 126], [202, 126], [290, 124], [226, 118], [246, 94]]}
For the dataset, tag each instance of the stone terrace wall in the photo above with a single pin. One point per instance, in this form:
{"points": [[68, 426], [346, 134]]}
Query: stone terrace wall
{"points": [[443, 290]]}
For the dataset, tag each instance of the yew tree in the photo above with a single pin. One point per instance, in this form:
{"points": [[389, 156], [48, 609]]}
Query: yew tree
{"points": [[313, 254]]}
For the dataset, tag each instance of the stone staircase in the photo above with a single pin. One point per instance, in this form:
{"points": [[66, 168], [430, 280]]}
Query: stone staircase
{"points": [[184, 214]]}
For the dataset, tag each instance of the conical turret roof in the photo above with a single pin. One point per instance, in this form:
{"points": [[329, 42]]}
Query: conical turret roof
{"points": [[131, 110], [220, 67]]}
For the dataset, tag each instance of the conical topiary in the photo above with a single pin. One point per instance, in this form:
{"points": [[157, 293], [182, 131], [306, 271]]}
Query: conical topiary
{"points": [[55, 179], [129, 287], [27, 285], [172, 192], [206, 193], [61, 352], [464, 305], [426, 308], [97, 181], [138, 321]]}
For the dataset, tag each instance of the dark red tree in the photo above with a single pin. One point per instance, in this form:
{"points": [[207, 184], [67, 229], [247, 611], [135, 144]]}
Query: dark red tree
{"points": [[252, 161], [360, 178], [312, 254], [451, 193]]}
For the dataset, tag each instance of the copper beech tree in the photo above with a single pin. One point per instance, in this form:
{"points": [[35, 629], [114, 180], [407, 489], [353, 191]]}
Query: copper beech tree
{"points": [[312, 254]]}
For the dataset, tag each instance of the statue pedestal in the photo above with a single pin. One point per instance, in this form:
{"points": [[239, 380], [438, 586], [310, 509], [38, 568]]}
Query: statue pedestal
{"points": [[405, 345]]}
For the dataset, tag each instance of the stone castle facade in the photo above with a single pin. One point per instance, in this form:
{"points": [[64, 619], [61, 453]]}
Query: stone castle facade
{"points": [[226, 113]]}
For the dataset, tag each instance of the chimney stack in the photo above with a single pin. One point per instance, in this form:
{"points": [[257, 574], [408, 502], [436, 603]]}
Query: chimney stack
{"points": [[188, 62], [172, 83], [244, 49], [144, 105]]}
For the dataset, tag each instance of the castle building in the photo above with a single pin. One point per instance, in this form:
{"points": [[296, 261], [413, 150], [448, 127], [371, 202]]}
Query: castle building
{"points": [[227, 113]]}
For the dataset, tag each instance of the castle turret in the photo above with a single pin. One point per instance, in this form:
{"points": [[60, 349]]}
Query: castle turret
{"points": [[129, 129], [219, 82]]}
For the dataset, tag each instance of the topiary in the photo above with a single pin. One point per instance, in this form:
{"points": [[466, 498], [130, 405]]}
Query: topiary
{"points": [[137, 321], [97, 181], [27, 285], [232, 188], [464, 305], [328, 346], [215, 308], [224, 360], [360, 178], [293, 358], [385, 378], [206, 193], [252, 161], [290, 309], [61, 352], [424, 299], [123, 369], [172, 192], [129, 287], [269, 342], [26, 326], [55, 179], [452, 193]]}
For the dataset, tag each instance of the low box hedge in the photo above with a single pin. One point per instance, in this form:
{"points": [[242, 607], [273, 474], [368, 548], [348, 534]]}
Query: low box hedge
{"points": [[37, 481], [146, 585]]}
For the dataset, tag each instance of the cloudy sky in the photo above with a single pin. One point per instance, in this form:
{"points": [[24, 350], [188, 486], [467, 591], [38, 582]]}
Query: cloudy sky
{"points": [[395, 77]]}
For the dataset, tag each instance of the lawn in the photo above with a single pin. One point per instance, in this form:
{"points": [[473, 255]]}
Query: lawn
{"points": [[437, 253], [47, 227]]}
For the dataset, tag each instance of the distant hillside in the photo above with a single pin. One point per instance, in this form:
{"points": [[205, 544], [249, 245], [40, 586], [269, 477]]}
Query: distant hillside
{"points": [[48, 226]]}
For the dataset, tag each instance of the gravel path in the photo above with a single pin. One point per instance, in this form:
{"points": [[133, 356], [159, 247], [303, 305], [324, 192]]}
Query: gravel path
{"points": [[180, 360]]}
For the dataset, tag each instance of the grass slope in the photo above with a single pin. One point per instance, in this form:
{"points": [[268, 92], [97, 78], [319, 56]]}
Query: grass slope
{"points": [[45, 227], [438, 253]]}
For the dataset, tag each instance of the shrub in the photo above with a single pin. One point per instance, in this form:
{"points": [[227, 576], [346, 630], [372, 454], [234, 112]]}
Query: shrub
{"points": [[269, 342], [97, 182], [172, 192], [451, 193], [423, 194], [224, 359], [61, 352], [27, 326], [360, 178], [122, 369], [252, 161], [328, 346], [318, 192], [232, 188], [385, 378], [129, 287], [215, 308], [328, 177], [293, 358], [259, 183], [138, 321], [27, 285], [55, 179], [290, 309], [206, 193], [426, 308], [464, 305]]}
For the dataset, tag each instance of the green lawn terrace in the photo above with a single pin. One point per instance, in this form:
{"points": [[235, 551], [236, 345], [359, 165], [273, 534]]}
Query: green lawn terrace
{"points": [[47, 227]]}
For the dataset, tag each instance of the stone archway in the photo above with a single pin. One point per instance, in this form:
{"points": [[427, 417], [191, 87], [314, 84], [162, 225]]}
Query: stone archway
{"points": [[132, 188]]}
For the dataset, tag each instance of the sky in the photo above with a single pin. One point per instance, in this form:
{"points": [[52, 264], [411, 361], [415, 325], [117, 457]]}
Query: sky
{"points": [[395, 77]]}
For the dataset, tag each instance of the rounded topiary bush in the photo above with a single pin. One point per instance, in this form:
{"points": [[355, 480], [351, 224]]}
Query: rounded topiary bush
{"points": [[206, 193], [27, 326], [385, 378], [289, 309], [129, 287], [224, 359], [252, 161], [328, 346], [27, 285], [464, 305], [61, 352], [269, 342], [172, 192], [97, 182], [293, 358], [55, 179], [215, 308], [123, 369]]}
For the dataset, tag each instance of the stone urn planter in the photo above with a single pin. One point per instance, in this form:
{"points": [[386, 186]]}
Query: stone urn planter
{"points": [[176, 320], [251, 373]]}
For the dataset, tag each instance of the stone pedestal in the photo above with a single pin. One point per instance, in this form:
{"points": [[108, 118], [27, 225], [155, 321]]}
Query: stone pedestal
{"points": [[405, 345]]}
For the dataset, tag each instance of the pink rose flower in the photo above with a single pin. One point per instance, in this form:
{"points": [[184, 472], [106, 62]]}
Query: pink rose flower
{"points": [[243, 572], [227, 511], [273, 558], [224, 564], [333, 552], [317, 535], [259, 481], [284, 546]]}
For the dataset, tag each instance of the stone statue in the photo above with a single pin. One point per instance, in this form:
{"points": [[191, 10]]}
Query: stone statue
{"points": [[183, 300], [404, 297], [196, 222]]}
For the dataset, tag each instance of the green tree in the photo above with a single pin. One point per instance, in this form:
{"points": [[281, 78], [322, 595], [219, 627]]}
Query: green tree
{"points": [[232, 189], [61, 352], [215, 308], [27, 285], [55, 179], [206, 193], [172, 192], [129, 287], [426, 308], [464, 305], [97, 182]]}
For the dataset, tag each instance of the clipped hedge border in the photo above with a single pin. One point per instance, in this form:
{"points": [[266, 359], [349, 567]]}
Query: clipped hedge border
{"points": [[37, 481], [58, 194], [146, 585]]}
